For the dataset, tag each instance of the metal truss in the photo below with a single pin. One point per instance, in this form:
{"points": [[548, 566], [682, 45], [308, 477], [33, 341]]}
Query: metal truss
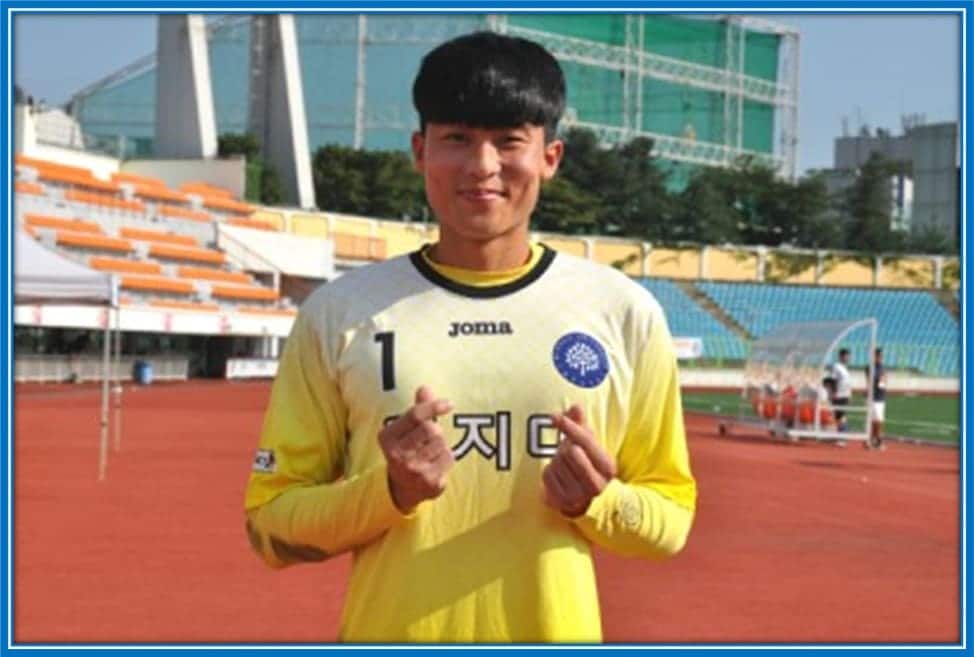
{"points": [[677, 148], [635, 64]]}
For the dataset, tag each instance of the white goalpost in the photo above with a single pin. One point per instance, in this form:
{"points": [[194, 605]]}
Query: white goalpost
{"points": [[784, 382]]}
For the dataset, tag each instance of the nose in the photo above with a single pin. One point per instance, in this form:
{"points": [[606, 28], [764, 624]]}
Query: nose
{"points": [[483, 160]]}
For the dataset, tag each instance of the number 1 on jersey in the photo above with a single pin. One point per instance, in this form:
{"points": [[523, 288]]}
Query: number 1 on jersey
{"points": [[387, 341]]}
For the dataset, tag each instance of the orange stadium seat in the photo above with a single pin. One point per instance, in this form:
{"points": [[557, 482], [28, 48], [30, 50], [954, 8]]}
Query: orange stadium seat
{"points": [[92, 241], [149, 235], [255, 310], [61, 223], [160, 193], [121, 265], [205, 189], [246, 222], [157, 284], [24, 187], [47, 165], [126, 177], [209, 274], [185, 305], [171, 252], [806, 414], [228, 205], [78, 180], [176, 212], [104, 200], [252, 293]]}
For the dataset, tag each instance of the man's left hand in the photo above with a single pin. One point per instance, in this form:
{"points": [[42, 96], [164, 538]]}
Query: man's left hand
{"points": [[581, 468]]}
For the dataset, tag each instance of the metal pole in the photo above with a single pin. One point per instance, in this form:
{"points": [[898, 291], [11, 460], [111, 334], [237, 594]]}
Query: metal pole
{"points": [[360, 86], [117, 377], [106, 351]]}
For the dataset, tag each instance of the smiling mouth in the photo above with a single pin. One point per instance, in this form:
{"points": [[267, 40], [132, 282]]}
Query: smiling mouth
{"points": [[481, 194]]}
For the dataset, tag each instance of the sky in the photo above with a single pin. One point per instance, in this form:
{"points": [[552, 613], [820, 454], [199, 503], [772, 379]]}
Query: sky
{"points": [[857, 69]]}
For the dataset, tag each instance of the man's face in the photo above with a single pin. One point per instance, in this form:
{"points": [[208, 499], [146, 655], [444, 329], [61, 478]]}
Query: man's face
{"points": [[484, 182], [844, 358]]}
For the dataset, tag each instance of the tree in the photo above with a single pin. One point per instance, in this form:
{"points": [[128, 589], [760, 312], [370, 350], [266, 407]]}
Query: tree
{"points": [[625, 181], [564, 208], [263, 183], [371, 183], [340, 181], [930, 239], [868, 207]]}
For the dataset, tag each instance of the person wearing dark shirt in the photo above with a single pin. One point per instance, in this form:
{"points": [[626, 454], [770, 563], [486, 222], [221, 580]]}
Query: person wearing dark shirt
{"points": [[876, 376]]}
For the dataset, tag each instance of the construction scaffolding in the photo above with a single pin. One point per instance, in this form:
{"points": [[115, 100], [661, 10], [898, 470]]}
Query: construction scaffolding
{"points": [[707, 90]]}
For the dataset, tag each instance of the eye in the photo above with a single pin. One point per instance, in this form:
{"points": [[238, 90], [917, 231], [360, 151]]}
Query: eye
{"points": [[513, 140], [455, 137]]}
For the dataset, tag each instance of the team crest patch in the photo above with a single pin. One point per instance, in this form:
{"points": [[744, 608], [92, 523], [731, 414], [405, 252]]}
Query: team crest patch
{"points": [[581, 359], [264, 461]]}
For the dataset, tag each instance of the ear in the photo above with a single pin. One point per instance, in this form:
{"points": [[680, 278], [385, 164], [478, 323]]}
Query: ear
{"points": [[553, 152], [418, 144]]}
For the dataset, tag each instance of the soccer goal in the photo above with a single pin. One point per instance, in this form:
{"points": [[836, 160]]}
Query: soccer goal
{"points": [[785, 382]]}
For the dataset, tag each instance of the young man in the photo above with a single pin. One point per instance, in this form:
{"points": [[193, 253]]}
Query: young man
{"points": [[470, 419], [876, 376], [843, 388]]}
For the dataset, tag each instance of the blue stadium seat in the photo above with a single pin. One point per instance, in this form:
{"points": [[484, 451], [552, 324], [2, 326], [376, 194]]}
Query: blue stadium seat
{"points": [[915, 330], [687, 319]]}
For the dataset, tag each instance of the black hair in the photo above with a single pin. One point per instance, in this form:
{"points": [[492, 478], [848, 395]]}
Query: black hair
{"points": [[843, 352], [489, 80]]}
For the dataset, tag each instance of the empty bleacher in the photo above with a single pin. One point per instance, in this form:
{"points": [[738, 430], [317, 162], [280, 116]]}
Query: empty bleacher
{"points": [[159, 241], [687, 319], [915, 330]]}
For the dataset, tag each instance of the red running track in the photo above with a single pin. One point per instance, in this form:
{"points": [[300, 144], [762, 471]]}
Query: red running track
{"points": [[792, 543]]}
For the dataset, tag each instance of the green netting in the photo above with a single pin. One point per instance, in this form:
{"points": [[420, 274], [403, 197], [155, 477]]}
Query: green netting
{"points": [[327, 47], [602, 28], [758, 127], [595, 93], [701, 42], [761, 55], [229, 70], [679, 111]]}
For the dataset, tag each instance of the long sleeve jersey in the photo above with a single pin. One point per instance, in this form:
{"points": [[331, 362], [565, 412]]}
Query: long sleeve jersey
{"points": [[487, 561]]}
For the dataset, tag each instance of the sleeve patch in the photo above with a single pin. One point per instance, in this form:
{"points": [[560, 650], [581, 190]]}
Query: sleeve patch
{"points": [[265, 462]]}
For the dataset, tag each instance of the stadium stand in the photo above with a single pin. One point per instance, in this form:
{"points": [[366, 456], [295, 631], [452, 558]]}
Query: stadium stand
{"points": [[161, 242], [916, 331], [688, 319]]}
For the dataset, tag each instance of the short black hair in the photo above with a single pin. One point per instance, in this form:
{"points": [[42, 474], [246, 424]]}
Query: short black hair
{"points": [[489, 80]]}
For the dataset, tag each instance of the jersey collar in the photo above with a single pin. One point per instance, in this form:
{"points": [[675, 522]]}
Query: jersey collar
{"points": [[483, 292]]}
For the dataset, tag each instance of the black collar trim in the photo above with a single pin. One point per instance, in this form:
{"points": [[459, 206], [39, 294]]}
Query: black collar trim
{"points": [[489, 292]]}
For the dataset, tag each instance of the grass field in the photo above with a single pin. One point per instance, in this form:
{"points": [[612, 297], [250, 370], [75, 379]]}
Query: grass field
{"points": [[908, 416]]}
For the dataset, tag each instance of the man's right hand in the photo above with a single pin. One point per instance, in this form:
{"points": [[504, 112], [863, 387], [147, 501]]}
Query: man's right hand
{"points": [[416, 452]]}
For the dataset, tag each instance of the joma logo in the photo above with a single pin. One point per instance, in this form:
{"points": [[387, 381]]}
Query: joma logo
{"points": [[479, 328]]}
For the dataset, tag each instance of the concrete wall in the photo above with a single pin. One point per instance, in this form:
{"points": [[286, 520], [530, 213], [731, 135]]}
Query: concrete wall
{"points": [[230, 174]]}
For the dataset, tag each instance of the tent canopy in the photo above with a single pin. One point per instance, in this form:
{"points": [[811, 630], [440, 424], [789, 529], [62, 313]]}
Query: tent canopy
{"points": [[43, 276]]}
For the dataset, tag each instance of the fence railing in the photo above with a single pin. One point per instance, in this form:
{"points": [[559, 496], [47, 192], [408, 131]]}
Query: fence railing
{"points": [[59, 368]]}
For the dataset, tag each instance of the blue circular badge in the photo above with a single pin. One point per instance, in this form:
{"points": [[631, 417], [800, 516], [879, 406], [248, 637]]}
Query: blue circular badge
{"points": [[581, 359]]}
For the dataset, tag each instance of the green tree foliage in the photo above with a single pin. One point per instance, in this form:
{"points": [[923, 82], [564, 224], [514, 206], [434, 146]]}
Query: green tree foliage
{"points": [[624, 191], [867, 206], [564, 208], [263, 184], [373, 183]]}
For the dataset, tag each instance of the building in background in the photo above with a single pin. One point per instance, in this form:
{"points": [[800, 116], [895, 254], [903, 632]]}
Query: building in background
{"points": [[707, 90], [925, 190]]}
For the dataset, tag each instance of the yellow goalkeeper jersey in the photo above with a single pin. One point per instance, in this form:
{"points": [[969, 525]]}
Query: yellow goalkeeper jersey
{"points": [[487, 561]]}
